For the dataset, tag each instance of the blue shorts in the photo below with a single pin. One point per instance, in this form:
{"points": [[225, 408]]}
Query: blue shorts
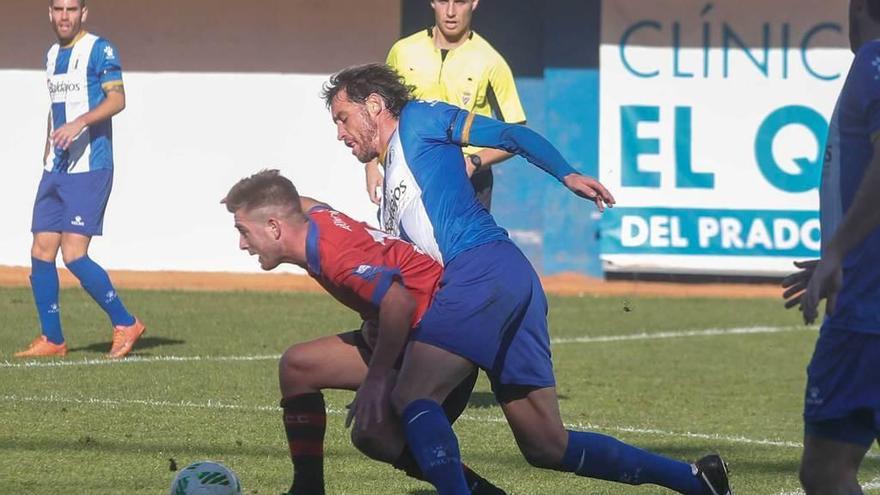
{"points": [[491, 310], [842, 400], [72, 202]]}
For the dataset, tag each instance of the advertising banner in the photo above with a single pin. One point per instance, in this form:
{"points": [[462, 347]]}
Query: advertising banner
{"points": [[713, 120]]}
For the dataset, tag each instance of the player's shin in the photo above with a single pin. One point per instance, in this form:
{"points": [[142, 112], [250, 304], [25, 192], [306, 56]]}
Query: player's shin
{"points": [[305, 421], [44, 283], [478, 485], [599, 456], [434, 446], [97, 283]]}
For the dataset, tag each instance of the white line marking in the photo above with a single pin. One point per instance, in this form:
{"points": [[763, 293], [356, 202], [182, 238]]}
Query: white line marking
{"points": [[712, 332], [135, 360], [871, 485], [211, 404]]}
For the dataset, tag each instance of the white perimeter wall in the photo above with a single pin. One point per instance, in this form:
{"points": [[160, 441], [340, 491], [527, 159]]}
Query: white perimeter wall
{"points": [[182, 141], [216, 90]]}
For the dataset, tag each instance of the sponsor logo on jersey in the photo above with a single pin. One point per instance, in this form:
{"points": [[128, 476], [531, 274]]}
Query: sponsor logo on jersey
{"points": [[58, 90], [334, 215], [367, 272], [391, 211]]}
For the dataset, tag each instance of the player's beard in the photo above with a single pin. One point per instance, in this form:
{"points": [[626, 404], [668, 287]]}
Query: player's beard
{"points": [[367, 138]]}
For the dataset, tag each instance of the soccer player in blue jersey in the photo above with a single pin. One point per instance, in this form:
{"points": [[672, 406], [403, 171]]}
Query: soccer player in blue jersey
{"points": [[490, 311], [842, 399], [85, 88]]}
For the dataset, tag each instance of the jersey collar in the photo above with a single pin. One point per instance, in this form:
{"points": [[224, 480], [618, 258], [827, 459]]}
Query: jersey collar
{"points": [[313, 256], [76, 38], [431, 34], [384, 151]]}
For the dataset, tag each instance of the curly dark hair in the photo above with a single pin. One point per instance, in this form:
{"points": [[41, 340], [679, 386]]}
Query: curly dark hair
{"points": [[360, 81]]}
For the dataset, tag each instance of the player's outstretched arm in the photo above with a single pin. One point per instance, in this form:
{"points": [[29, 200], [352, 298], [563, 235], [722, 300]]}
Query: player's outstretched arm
{"points": [[519, 139], [395, 319], [862, 217], [112, 104]]}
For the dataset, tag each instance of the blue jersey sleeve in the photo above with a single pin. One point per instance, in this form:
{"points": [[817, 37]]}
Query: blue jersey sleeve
{"points": [[865, 76], [471, 129], [105, 60]]}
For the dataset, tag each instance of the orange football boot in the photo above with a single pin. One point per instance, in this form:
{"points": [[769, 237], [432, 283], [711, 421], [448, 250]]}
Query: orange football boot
{"points": [[124, 338], [41, 347]]}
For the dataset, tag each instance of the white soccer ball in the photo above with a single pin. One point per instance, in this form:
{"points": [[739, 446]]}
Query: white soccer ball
{"points": [[205, 478]]}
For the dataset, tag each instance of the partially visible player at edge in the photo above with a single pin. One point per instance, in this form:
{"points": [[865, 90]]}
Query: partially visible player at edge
{"points": [[842, 396], [452, 63], [490, 311], [387, 281], [85, 88]]}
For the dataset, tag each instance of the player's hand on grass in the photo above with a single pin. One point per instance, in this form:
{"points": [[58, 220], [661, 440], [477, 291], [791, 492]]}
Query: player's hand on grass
{"points": [[374, 181], [66, 134], [796, 283], [589, 188], [825, 283]]}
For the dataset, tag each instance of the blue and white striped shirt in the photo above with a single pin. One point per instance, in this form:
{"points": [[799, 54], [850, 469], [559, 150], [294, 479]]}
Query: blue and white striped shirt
{"points": [[77, 76]]}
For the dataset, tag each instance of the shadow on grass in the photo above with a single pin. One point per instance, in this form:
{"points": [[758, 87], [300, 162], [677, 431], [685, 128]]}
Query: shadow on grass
{"points": [[482, 400], [142, 343], [101, 445]]}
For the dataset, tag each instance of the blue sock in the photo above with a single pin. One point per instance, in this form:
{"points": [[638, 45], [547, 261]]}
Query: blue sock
{"points": [[599, 456], [44, 284], [97, 283], [434, 446]]}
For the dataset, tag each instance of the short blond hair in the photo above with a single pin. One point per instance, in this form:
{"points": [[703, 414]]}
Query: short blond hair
{"points": [[267, 188]]}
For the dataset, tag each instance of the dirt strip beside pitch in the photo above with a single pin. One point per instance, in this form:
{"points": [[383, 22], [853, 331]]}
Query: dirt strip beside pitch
{"points": [[562, 284]]}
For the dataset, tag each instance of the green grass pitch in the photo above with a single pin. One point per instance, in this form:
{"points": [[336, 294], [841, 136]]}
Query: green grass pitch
{"points": [[108, 428]]}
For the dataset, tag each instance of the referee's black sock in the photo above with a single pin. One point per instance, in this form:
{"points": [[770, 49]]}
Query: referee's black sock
{"points": [[478, 485]]}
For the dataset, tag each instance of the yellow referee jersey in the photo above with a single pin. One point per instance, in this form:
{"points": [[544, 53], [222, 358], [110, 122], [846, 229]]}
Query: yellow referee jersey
{"points": [[472, 76]]}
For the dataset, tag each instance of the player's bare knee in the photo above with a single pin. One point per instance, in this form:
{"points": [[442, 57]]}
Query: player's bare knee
{"points": [[44, 251], [372, 444], [814, 482], [294, 364], [817, 480], [541, 457], [71, 254], [544, 452]]}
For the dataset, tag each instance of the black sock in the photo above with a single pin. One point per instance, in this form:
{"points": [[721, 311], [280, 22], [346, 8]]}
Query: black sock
{"points": [[305, 421]]}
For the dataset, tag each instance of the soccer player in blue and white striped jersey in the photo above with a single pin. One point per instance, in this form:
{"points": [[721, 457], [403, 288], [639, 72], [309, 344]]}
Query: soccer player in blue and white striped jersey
{"points": [[84, 79]]}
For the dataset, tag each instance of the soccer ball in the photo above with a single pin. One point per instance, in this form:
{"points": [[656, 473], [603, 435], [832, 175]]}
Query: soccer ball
{"points": [[205, 478]]}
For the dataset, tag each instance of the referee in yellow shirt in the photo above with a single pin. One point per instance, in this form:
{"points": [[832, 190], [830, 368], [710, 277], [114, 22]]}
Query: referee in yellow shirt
{"points": [[450, 62]]}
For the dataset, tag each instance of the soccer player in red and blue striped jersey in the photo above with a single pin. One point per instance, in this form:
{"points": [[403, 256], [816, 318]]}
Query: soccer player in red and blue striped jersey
{"points": [[390, 283]]}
